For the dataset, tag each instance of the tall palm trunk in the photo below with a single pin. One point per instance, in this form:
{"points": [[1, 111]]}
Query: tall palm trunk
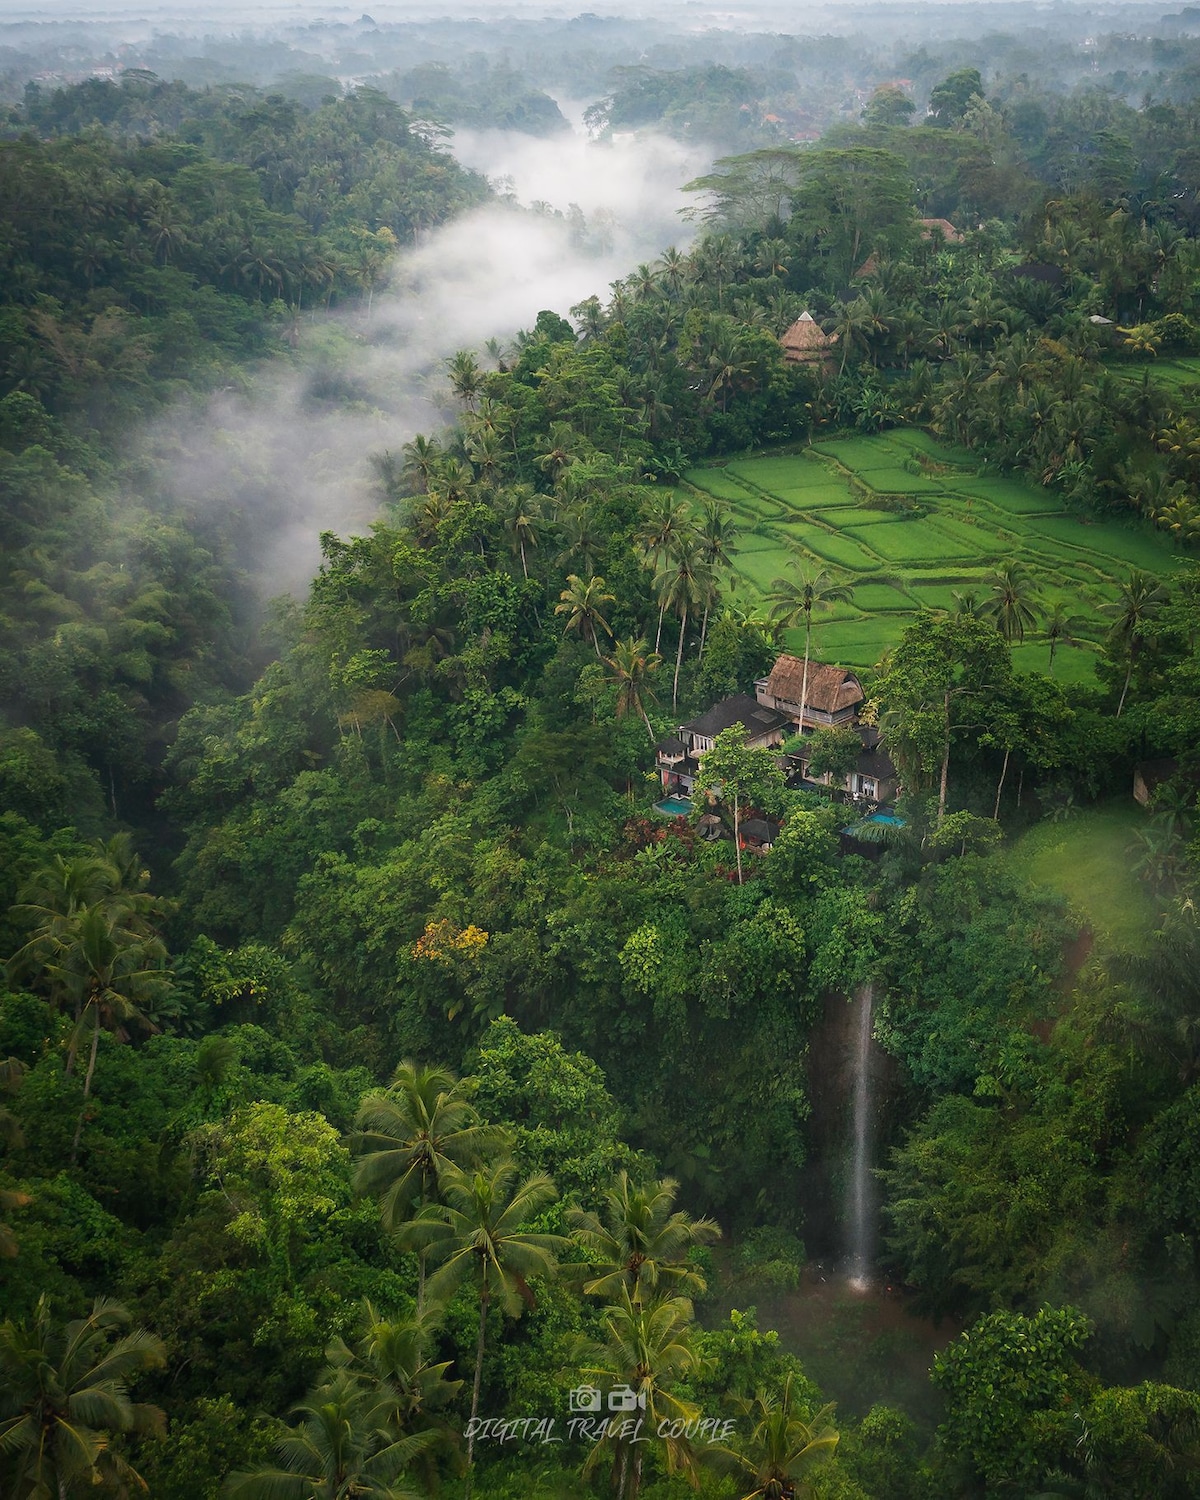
{"points": [[679, 659], [704, 629], [1000, 785], [662, 609], [1125, 686], [87, 1083], [483, 1307], [524, 565], [804, 679], [945, 764]]}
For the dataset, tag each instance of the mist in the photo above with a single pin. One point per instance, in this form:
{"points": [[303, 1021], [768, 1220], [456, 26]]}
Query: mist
{"points": [[291, 454]]}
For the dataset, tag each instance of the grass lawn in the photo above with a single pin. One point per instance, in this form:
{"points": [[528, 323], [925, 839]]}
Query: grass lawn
{"points": [[1086, 858]]}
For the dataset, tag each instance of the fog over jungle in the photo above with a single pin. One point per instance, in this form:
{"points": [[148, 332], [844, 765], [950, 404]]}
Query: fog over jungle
{"points": [[295, 448]]}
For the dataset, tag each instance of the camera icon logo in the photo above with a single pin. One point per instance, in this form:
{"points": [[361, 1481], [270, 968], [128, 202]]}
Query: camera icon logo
{"points": [[584, 1398], [625, 1398]]}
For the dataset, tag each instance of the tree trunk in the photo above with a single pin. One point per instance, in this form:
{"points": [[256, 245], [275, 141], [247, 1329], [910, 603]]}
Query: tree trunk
{"points": [[524, 565], [647, 723], [945, 765], [619, 1465], [1053, 644], [662, 609], [804, 679], [704, 630], [737, 838], [1000, 785], [483, 1306], [87, 1085], [1125, 688], [679, 659]]}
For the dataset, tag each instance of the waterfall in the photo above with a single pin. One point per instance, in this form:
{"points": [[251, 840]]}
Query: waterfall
{"points": [[860, 1217]]}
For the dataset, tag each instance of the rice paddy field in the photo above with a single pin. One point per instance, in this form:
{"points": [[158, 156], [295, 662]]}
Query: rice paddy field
{"points": [[1174, 374], [906, 522]]}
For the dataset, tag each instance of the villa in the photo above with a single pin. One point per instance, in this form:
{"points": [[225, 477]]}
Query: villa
{"points": [[832, 701]]}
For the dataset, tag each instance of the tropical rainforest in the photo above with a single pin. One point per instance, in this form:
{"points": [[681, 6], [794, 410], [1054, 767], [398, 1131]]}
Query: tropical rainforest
{"points": [[394, 1101]]}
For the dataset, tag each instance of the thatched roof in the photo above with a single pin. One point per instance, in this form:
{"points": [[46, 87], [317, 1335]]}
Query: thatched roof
{"points": [[929, 227], [948, 232], [804, 342], [830, 689]]}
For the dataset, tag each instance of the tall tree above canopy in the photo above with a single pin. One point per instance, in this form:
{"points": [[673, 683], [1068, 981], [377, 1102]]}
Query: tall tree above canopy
{"points": [[952, 98], [743, 776], [936, 684], [853, 200], [752, 191]]}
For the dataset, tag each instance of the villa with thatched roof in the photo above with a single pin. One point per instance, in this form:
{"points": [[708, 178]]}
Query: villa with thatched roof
{"points": [[805, 344], [833, 697]]}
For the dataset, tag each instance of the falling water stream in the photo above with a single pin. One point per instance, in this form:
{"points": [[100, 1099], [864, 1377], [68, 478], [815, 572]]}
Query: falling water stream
{"points": [[860, 1217]]}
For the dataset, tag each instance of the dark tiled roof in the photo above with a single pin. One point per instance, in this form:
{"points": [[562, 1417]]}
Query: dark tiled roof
{"points": [[740, 709], [760, 829], [672, 746]]}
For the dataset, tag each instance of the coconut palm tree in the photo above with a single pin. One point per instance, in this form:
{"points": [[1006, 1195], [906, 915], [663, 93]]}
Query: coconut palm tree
{"points": [[64, 1394], [95, 949], [421, 459], [683, 581], [521, 520], [793, 601], [632, 665], [1012, 606], [478, 1234], [717, 533], [583, 605], [640, 1241], [1062, 629], [466, 377], [409, 1136], [662, 521], [968, 605], [582, 542], [783, 1447], [345, 1447], [647, 1349], [1140, 598]]}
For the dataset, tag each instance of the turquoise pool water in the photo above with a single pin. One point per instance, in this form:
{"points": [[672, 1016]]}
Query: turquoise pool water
{"points": [[889, 820], [674, 807]]}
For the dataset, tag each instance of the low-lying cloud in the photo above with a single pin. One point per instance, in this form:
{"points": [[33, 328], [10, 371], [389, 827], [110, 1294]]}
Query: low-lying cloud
{"points": [[291, 454]]}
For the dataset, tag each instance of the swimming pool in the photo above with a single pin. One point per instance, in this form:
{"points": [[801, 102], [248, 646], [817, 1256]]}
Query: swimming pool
{"points": [[888, 820], [674, 807]]}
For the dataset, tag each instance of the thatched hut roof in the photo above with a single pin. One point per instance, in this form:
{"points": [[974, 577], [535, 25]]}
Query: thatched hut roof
{"points": [[830, 689], [944, 227], [805, 343]]}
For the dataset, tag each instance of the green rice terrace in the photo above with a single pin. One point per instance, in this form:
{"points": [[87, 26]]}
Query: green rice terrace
{"points": [[908, 521], [1172, 372]]}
